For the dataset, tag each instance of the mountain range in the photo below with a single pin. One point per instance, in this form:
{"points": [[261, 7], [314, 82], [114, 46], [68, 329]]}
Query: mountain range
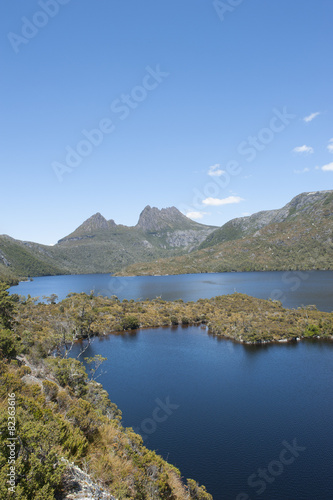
{"points": [[297, 236], [102, 246]]}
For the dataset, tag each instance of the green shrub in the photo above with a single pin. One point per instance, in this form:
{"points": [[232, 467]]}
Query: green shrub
{"points": [[174, 320], [71, 373], [311, 331], [198, 492], [8, 344], [83, 416], [24, 370], [50, 390], [130, 323]]}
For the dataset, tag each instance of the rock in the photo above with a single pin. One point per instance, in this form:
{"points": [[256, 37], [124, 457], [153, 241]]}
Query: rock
{"points": [[77, 485], [152, 219]]}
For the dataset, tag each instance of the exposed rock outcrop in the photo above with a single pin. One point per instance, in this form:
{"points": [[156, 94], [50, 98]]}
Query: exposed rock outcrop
{"points": [[152, 219], [79, 486]]}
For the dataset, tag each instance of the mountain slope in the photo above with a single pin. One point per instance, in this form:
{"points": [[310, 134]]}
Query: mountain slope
{"points": [[298, 236], [22, 258], [310, 204], [89, 227], [101, 246]]}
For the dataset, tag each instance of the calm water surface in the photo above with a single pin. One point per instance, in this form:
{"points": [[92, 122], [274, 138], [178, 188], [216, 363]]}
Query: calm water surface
{"points": [[292, 288], [233, 406]]}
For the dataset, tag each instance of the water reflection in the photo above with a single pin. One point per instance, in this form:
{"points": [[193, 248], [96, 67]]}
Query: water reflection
{"points": [[191, 287]]}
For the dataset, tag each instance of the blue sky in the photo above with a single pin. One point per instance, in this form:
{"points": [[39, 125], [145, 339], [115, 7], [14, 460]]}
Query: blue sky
{"points": [[110, 106]]}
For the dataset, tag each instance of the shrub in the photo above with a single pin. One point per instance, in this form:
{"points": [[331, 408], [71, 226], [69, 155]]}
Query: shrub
{"points": [[83, 416], [130, 323], [8, 344], [311, 331], [70, 372], [50, 390], [174, 320], [198, 492], [24, 370]]}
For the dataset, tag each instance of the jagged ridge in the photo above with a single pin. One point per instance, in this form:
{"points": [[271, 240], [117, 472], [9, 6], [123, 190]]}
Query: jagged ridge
{"points": [[99, 245], [298, 236]]}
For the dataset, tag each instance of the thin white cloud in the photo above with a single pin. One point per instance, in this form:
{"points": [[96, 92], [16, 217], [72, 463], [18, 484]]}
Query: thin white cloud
{"points": [[216, 202], [215, 170], [330, 145], [311, 117], [306, 169], [328, 167], [303, 149], [195, 215]]}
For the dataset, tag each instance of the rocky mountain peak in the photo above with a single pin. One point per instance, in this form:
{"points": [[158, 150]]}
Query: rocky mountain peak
{"points": [[89, 228], [96, 221], [153, 219]]}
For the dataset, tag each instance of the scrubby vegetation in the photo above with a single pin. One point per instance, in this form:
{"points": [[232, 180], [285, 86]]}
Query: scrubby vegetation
{"points": [[7, 276], [237, 316], [298, 236], [295, 246], [26, 259], [301, 241], [100, 246], [63, 416]]}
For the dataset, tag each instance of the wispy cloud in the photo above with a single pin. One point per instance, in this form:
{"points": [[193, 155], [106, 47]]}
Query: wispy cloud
{"points": [[328, 167], [195, 215], [215, 170], [303, 149], [216, 202], [330, 145], [311, 117], [306, 169]]}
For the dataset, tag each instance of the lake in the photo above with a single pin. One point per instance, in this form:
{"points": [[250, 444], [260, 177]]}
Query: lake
{"points": [[249, 422], [293, 288]]}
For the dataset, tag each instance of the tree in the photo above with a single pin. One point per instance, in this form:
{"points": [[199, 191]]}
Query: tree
{"points": [[8, 344], [96, 362], [7, 307], [52, 299]]}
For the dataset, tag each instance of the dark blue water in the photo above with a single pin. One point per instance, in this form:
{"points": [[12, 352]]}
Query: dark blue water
{"points": [[293, 288], [232, 409]]}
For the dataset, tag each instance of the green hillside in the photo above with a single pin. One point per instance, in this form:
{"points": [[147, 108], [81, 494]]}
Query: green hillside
{"points": [[23, 259], [298, 236], [101, 246]]}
